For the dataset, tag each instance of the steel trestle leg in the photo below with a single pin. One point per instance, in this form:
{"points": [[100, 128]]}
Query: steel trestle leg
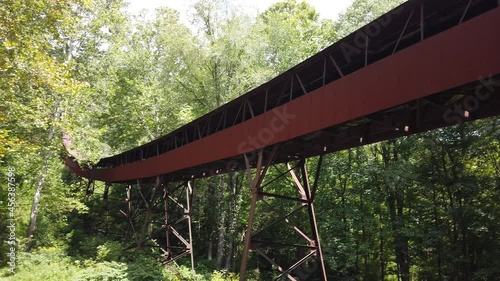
{"points": [[305, 199], [173, 218]]}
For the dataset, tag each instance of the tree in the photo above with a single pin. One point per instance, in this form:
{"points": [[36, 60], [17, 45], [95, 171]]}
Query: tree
{"points": [[422, 207], [36, 83], [361, 12], [290, 32]]}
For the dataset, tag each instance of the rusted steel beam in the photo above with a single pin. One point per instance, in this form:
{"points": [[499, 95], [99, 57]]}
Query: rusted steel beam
{"points": [[173, 218], [267, 194], [271, 261], [312, 215], [298, 172], [279, 220], [296, 265], [255, 183], [402, 32], [329, 106], [189, 194]]}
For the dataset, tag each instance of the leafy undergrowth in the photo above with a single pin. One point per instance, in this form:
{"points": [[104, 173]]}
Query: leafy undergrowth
{"points": [[52, 264]]}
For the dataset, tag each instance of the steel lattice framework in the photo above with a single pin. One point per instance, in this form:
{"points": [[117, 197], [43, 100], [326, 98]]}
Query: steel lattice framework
{"points": [[424, 65]]}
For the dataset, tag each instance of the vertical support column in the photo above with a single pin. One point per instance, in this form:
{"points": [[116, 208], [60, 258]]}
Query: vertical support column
{"points": [[167, 236], [305, 197], [129, 213], [106, 192], [177, 246], [189, 194], [255, 183], [89, 190], [312, 214], [251, 216]]}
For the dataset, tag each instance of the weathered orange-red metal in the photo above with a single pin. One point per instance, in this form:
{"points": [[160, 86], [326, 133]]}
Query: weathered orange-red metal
{"points": [[458, 56]]}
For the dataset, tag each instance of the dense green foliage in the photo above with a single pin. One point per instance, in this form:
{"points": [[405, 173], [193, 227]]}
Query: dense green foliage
{"points": [[423, 207]]}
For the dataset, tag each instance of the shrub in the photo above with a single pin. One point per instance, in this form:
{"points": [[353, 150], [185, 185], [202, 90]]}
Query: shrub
{"points": [[104, 271], [109, 251], [145, 269], [48, 264]]}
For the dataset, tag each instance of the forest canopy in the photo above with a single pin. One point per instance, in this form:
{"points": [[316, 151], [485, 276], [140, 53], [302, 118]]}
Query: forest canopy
{"points": [[88, 78]]}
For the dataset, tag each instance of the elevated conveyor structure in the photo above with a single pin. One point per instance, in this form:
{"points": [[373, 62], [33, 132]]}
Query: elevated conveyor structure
{"points": [[426, 64]]}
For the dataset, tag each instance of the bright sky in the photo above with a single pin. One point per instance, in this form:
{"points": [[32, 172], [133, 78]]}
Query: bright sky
{"points": [[326, 8]]}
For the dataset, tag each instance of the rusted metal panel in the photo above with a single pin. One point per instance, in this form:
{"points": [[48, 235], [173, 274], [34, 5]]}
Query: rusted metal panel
{"points": [[458, 56]]}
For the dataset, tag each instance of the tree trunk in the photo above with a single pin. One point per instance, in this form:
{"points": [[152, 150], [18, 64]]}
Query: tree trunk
{"points": [[146, 227], [36, 203], [221, 242], [381, 249], [210, 249], [221, 237], [400, 242], [437, 225], [395, 202], [39, 185], [235, 186], [229, 254]]}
